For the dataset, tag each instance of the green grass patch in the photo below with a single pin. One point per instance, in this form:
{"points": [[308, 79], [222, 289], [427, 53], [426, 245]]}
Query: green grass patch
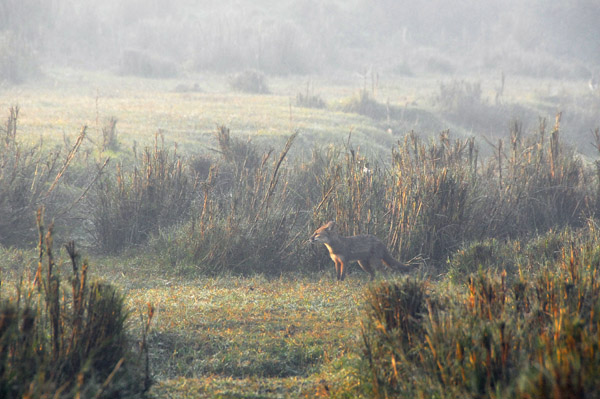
{"points": [[282, 335]]}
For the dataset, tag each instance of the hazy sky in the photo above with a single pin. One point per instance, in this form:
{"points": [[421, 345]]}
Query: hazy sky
{"points": [[306, 36]]}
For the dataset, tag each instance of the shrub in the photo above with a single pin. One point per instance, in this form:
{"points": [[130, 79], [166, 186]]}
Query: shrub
{"points": [[489, 255], [29, 177], [243, 220], [67, 344], [459, 97], [250, 81], [538, 185], [132, 204], [140, 63], [494, 336], [420, 202], [462, 103], [309, 100], [363, 104]]}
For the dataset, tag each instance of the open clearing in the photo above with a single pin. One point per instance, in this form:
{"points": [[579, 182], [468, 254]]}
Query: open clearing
{"points": [[251, 336]]}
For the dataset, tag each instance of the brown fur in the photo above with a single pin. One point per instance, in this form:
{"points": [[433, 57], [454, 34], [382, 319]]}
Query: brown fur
{"points": [[367, 249]]}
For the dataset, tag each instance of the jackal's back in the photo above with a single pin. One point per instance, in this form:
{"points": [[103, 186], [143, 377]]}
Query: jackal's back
{"points": [[362, 247]]}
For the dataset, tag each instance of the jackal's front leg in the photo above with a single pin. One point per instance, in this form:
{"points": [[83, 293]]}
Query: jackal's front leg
{"points": [[339, 269], [342, 270]]}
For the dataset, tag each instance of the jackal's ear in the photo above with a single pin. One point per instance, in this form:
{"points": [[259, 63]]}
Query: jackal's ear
{"points": [[330, 225]]}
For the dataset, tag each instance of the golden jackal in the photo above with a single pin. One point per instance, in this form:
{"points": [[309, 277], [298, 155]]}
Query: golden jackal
{"points": [[367, 249]]}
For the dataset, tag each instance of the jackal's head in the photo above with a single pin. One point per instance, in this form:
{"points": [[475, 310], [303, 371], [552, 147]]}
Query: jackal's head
{"points": [[323, 233]]}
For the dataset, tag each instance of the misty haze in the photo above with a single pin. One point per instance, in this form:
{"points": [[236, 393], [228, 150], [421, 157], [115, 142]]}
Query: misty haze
{"points": [[299, 198]]}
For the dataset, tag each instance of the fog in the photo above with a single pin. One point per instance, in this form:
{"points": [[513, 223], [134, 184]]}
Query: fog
{"points": [[160, 38]]}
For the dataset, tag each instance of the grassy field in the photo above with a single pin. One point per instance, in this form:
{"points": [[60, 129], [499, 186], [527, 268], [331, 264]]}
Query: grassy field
{"points": [[257, 336], [275, 338], [65, 100]]}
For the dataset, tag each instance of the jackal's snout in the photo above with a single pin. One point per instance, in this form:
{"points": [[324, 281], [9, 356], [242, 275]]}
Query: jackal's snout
{"points": [[322, 233]]}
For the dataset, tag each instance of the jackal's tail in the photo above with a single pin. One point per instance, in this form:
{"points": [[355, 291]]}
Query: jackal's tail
{"points": [[389, 260]]}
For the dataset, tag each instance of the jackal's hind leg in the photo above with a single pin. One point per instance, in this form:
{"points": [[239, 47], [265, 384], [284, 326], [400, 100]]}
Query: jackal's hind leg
{"points": [[381, 266], [366, 266]]}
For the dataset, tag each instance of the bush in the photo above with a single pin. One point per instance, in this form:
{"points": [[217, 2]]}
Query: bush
{"points": [[363, 104], [131, 205], [139, 63], [459, 97], [540, 184], [420, 203], [250, 81], [532, 336], [30, 177], [309, 100], [462, 103], [67, 344], [244, 221], [488, 255]]}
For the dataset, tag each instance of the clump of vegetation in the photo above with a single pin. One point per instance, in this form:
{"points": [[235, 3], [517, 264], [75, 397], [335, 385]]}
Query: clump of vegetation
{"points": [[489, 255], [364, 104], [29, 178], [140, 63], [67, 343], [459, 97], [512, 256], [497, 335], [245, 221], [133, 203], [250, 81], [462, 102], [309, 100], [109, 135], [188, 88]]}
